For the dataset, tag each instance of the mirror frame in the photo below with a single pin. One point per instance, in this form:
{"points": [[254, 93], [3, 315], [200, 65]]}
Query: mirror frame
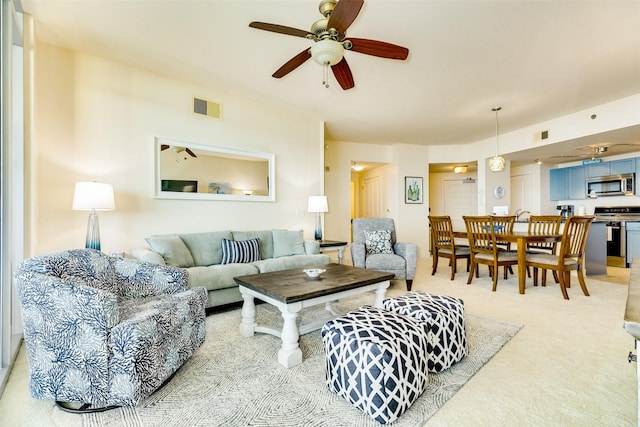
{"points": [[159, 194]]}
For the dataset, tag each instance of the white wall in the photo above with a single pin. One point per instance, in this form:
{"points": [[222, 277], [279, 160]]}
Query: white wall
{"points": [[402, 160], [96, 120]]}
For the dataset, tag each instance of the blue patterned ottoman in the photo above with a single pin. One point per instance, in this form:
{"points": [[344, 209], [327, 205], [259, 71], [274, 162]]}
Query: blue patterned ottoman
{"points": [[376, 360], [445, 317]]}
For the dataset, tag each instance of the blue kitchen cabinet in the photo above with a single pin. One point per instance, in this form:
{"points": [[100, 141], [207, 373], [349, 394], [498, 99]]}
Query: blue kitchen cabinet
{"points": [[633, 241], [619, 167], [577, 183], [614, 167], [558, 182], [567, 183], [598, 169]]}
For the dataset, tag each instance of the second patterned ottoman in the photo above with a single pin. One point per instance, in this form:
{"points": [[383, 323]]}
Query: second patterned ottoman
{"points": [[445, 317], [376, 360]]}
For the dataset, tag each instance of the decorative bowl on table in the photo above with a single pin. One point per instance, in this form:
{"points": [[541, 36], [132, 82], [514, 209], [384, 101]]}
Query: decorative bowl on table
{"points": [[314, 272]]}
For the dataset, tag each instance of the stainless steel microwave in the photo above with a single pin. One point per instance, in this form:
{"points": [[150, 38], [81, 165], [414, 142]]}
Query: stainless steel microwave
{"points": [[614, 185]]}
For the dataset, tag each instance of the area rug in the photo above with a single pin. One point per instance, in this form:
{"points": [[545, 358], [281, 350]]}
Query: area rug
{"points": [[236, 381]]}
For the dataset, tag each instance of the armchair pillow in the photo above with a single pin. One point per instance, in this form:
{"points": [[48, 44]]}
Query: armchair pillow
{"points": [[172, 249], [378, 242], [287, 242], [240, 251]]}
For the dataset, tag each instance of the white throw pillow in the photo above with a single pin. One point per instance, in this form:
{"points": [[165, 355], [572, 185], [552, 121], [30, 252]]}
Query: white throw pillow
{"points": [[378, 242]]}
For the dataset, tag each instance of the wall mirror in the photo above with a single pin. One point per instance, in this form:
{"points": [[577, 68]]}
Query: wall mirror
{"points": [[185, 170]]}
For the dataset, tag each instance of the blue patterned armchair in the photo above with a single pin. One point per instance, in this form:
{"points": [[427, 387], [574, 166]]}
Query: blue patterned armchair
{"points": [[102, 331], [375, 247]]}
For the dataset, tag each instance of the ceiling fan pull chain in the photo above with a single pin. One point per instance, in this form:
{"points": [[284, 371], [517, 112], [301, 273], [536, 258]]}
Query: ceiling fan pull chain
{"points": [[325, 75]]}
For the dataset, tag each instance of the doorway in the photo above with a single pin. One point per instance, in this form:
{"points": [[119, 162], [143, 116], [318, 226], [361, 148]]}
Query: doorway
{"points": [[459, 198]]}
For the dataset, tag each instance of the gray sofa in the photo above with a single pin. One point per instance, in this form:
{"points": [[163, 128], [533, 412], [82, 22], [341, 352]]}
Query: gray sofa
{"points": [[213, 259]]}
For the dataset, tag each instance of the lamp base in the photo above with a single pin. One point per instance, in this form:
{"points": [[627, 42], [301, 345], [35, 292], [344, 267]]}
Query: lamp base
{"points": [[318, 233], [93, 232]]}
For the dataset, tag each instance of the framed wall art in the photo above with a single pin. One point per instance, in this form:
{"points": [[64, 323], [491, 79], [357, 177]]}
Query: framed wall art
{"points": [[413, 189]]}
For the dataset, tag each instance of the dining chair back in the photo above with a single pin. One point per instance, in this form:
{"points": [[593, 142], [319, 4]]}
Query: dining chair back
{"points": [[503, 225], [444, 245], [544, 224], [570, 255], [481, 232]]}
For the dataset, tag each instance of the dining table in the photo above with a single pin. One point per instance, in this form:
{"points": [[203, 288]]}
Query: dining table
{"points": [[520, 238]]}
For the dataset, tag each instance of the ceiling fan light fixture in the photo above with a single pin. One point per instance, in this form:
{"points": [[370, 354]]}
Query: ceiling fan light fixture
{"points": [[327, 52]]}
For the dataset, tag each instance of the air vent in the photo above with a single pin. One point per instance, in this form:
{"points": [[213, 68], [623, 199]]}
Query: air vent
{"points": [[541, 136], [207, 108]]}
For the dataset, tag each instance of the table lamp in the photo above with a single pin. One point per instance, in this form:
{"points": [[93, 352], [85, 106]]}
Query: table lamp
{"points": [[93, 196], [319, 205]]}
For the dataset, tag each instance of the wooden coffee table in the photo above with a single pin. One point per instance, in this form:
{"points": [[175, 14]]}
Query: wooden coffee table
{"points": [[292, 290]]}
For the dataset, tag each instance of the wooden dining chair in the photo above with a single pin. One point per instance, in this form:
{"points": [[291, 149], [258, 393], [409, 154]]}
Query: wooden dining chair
{"points": [[543, 224], [484, 248], [444, 244], [570, 255], [503, 225]]}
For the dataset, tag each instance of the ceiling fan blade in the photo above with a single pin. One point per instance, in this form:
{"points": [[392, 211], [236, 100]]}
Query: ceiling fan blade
{"points": [[163, 147], [191, 153], [282, 29], [378, 48], [343, 75], [292, 64], [344, 14]]}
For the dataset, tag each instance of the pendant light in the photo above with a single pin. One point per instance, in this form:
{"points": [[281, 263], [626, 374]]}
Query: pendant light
{"points": [[496, 163]]}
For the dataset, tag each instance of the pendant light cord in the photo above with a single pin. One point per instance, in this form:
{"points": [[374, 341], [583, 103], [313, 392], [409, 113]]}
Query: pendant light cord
{"points": [[496, 109]]}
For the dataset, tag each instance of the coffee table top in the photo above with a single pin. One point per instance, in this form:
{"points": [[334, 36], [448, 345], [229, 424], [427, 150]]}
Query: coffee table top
{"points": [[293, 285]]}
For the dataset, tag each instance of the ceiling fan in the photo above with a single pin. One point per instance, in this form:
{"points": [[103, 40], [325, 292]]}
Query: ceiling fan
{"points": [[178, 149], [329, 35]]}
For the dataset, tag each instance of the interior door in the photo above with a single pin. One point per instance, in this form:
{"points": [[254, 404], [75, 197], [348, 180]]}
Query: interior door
{"points": [[519, 199], [460, 198], [371, 197]]}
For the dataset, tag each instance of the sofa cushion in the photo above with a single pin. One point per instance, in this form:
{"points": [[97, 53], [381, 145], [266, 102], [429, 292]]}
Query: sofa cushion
{"points": [[266, 240], [219, 276], [206, 248], [287, 242], [172, 249], [378, 241], [240, 251]]}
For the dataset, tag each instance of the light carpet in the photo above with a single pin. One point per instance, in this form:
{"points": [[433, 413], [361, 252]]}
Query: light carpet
{"points": [[237, 381]]}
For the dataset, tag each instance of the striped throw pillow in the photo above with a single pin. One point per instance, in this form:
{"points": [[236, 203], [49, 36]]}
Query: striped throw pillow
{"points": [[240, 251]]}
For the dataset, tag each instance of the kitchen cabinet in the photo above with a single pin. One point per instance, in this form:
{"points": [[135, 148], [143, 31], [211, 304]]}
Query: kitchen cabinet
{"points": [[598, 169], [619, 167], [568, 183], [614, 167], [633, 241]]}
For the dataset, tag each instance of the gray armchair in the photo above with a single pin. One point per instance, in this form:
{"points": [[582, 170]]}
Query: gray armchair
{"points": [[102, 331], [370, 249]]}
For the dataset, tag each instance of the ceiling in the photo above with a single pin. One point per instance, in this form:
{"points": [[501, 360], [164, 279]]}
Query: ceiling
{"points": [[538, 60]]}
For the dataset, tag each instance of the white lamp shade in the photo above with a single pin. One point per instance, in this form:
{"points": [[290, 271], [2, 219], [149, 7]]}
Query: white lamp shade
{"points": [[318, 204], [496, 163], [93, 196], [327, 52]]}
